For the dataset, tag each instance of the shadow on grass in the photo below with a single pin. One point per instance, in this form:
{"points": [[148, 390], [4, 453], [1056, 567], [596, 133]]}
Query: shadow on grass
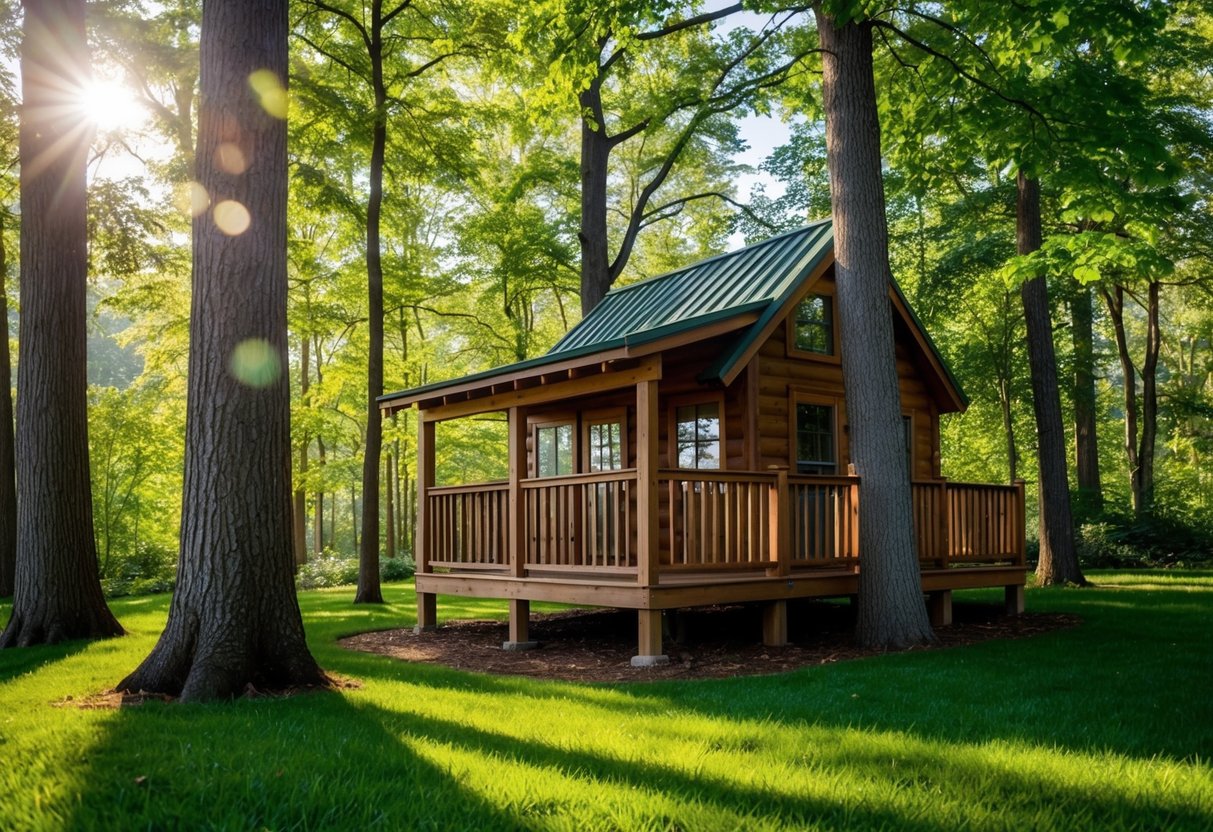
{"points": [[313, 761], [1132, 679], [17, 661]]}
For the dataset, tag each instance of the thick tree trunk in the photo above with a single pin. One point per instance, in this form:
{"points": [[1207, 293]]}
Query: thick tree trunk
{"points": [[595, 155], [369, 591], [57, 593], [234, 621], [1086, 441], [891, 609], [8, 471], [300, 513], [1058, 560]]}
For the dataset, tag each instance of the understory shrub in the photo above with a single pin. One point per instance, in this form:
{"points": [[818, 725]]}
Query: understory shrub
{"points": [[1121, 541], [332, 568], [146, 570]]}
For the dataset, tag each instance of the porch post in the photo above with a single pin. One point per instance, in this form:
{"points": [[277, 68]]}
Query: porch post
{"points": [[775, 623], [516, 541], [427, 606], [647, 554], [1021, 532], [520, 613], [1014, 600], [939, 607]]}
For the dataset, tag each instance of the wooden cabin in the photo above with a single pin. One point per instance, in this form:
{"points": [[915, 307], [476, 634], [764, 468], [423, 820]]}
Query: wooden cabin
{"points": [[685, 445]]}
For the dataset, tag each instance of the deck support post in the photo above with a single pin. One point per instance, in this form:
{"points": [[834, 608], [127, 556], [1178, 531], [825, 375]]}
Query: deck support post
{"points": [[520, 615], [1014, 600], [647, 555], [649, 653], [775, 624], [939, 606], [427, 602], [516, 541], [427, 612]]}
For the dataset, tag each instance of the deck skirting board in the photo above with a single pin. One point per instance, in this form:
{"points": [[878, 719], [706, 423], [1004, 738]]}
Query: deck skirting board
{"points": [[688, 590]]}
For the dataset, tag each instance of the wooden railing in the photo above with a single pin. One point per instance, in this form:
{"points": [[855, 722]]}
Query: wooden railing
{"points": [[968, 522], [711, 520], [717, 519], [582, 520], [824, 518], [468, 525]]}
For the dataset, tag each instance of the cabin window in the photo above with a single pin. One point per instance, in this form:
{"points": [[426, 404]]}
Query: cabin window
{"points": [[815, 445], [604, 444], [698, 435], [554, 450], [814, 325]]}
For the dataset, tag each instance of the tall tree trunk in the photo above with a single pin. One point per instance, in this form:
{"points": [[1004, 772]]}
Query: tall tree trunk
{"points": [[1149, 404], [1086, 440], [57, 592], [8, 471], [891, 609], [1115, 302], [369, 591], [318, 531], [300, 513], [389, 519], [1058, 562], [595, 155], [234, 619], [1008, 428]]}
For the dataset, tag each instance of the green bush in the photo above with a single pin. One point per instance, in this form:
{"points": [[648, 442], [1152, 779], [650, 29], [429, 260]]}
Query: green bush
{"points": [[1115, 541], [146, 570], [336, 569]]}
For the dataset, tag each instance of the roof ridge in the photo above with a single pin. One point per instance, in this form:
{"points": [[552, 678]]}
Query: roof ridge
{"points": [[737, 251]]}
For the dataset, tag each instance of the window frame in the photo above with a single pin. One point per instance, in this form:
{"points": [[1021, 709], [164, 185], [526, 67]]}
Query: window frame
{"points": [[834, 357], [607, 416], [798, 397], [553, 422], [672, 429]]}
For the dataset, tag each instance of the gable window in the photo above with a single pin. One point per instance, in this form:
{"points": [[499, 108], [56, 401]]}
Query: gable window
{"points": [[815, 445], [813, 325], [697, 429], [554, 450], [604, 441]]}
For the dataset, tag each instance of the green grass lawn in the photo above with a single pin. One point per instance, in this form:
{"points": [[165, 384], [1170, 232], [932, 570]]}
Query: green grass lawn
{"points": [[1105, 726]]}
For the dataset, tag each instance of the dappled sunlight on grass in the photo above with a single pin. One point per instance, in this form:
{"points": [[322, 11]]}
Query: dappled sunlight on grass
{"points": [[1106, 725]]}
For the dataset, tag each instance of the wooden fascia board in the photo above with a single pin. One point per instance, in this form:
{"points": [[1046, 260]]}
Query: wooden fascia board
{"points": [[955, 399], [649, 369], [789, 303], [422, 397], [431, 399]]}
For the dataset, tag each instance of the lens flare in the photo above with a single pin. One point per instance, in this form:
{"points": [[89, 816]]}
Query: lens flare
{"points": [[255, 363], [232, 218], [270, 91]]}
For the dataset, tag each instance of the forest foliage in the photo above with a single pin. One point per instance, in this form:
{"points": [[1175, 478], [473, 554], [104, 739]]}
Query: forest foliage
{"points": [[487, 114]]}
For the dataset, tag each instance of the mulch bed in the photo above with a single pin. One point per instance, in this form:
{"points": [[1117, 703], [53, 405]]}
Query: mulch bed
{"points": [[703, 643]]}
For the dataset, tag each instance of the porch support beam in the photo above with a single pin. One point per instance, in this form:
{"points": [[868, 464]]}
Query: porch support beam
{"points": [[516, 541], [427, 602], [1014, 599], [647, 559], [775, 624], [520, 615], [649, 653], [939, 607], [427, 612]]}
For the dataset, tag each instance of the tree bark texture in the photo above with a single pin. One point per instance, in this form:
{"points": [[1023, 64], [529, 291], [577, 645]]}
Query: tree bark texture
{"points": [[1058, 562], [1086, 440], [299, 515], [234, 619], [369, 590], [595, 155], [8, 470], [57, 592], [891, 609]]}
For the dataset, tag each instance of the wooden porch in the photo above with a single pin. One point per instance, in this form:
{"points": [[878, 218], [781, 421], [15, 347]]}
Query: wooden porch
{"points": [[716, 537]]}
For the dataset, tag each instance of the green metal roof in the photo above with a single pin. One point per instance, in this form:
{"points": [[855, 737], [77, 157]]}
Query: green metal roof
{"points": [[758, 278], [747, 279]]}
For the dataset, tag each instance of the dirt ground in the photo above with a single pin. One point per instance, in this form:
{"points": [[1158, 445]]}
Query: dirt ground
{"points": [[705, 643]]}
